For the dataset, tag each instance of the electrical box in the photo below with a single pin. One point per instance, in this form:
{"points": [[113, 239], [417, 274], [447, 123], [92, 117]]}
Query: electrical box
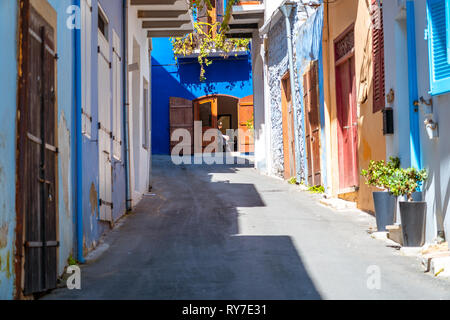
{"points": [[388, 121]]}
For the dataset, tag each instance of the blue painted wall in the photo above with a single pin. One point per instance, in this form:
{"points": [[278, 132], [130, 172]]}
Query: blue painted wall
{"points": [[232, 76], [94, 228], [309, 48], [8, 85], [65, 128]]}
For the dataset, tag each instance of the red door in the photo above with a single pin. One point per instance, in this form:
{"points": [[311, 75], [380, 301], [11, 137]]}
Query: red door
{"points": [[347, 128]]}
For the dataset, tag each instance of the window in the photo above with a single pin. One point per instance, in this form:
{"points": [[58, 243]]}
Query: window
{"points": [[102, 22], [439, 45], [86, 58], [117, 97], [145, 119]]}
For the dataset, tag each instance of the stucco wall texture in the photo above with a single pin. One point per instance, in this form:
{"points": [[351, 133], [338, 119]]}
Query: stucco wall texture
{"points": [[278, 66]]}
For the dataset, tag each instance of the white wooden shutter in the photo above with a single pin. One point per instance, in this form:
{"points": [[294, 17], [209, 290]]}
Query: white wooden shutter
{"points": [[117, 97], [86, 62], [104, 126]]}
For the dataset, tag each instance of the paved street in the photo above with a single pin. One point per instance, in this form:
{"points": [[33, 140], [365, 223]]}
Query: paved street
{"points": [[226, 232]]}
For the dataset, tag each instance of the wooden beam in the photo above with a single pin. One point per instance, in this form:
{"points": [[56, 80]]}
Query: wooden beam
{"points": [[167, 33], [163, 24], [148, 14]]}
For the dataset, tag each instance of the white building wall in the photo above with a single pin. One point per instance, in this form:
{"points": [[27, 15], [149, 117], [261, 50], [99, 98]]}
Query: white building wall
{"points": [[138, 52], [436, 152]]}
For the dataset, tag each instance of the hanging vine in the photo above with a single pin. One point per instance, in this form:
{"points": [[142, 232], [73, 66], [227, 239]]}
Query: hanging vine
{"points": [[208, 38]]}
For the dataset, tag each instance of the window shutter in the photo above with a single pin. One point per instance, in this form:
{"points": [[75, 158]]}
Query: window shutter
{"points": [[86, 58], [378, 58], [439, 45]]}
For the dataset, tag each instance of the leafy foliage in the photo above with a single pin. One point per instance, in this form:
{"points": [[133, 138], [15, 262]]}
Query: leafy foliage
{"points": [[208, 38], [407, 181], [379, 173], [292, 180], [316, 189], [391, 177]]}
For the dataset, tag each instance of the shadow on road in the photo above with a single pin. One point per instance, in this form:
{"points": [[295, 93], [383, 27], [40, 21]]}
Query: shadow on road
{"points": [[184, 242]]}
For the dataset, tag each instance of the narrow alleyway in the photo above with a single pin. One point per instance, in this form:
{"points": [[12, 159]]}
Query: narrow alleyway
{"points": [[226, 232]]}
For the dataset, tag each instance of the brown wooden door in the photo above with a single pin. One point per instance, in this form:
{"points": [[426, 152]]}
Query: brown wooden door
{"points": [[205, 111], [181, 117], [288, 128], [37, 155], [312, 122], [347, 123], [246, 124]]}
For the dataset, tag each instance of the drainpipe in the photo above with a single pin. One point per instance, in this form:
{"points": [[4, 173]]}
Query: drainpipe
{"points": [[78, 145], [286, 9], [413, 89], [126, 104]]}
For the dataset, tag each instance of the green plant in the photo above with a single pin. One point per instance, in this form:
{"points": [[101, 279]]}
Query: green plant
{"points": [[316, 189], [379, 173], [404, 182], [71, 261], [208, 38], [292, 180]]}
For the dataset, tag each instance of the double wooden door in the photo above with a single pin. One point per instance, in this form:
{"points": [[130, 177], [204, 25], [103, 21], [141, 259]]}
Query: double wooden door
{"points": [[37, 156], [312, 123], [288, 128], [347, 114]]}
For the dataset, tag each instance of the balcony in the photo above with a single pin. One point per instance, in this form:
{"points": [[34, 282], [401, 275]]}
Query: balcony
{"points": [[164, 18], [247, 16]]}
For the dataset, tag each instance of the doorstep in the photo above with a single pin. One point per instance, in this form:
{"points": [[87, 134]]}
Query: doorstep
{"points": [[436, 259], [338, 204]]}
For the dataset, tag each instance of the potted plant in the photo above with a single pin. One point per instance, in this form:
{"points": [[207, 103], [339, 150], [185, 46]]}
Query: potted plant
{"points": [[379, 174], [407, 182]]}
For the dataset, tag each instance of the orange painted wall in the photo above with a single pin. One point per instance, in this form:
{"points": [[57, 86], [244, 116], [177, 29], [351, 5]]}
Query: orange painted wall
{"points": [[339, 16]]}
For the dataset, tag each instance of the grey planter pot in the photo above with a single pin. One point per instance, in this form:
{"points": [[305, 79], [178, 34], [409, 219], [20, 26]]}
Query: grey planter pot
{"points": [[413, 216], [385, 207]]}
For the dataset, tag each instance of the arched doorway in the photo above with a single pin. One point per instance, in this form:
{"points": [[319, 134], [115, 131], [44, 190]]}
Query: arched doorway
{"points": [[222, 112]]}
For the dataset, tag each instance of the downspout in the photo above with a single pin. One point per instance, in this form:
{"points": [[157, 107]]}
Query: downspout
{"points": [[414, 135], [286, 9], [126, 104], [78, 145]]}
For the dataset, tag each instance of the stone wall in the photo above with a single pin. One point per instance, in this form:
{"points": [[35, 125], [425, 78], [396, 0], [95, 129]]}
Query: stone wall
{"points": [[278, 66]]}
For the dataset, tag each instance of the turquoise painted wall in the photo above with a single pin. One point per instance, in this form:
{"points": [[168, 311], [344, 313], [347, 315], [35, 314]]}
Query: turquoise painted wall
{"points": [[8, 85]]}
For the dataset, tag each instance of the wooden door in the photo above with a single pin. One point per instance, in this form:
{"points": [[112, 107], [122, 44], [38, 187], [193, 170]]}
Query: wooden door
{"points": [[37, 155], [205, 111], [104, 129], [182, 117], [346, 113], [312, 122], [246, 125], [288, 128]]}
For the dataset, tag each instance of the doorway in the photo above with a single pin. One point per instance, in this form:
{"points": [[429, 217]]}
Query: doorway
{"points": [[37, 153], [347, 121], [288, 127], [221, 112]]}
